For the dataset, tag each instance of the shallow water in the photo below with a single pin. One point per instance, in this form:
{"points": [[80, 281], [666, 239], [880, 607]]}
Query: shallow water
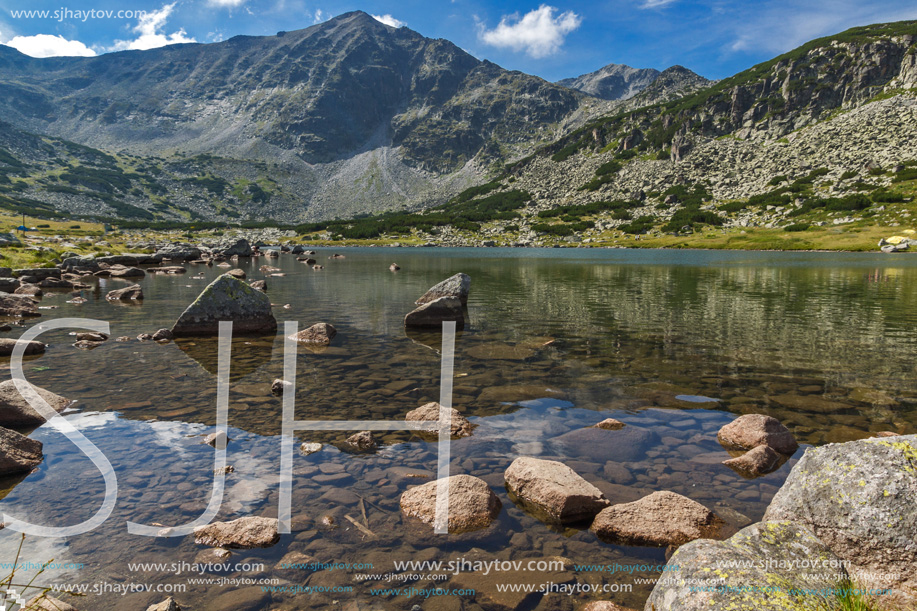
{"points": [[674, 344]]}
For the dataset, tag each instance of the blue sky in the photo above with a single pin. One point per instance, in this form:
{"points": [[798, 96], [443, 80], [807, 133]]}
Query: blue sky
{"points": [[556, 39]]}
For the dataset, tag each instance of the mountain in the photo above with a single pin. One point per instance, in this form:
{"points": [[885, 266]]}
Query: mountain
{"points": [[358, 116], [820, 136], [613, 82]]}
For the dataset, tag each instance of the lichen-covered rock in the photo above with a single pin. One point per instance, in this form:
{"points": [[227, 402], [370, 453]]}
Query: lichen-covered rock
{"points": [[320, 333], [7, 344], [472, 504], [659, 519], [455, 286], [226, 298], [753, 430], [553, 491], [245, 533], [460, 425], [768, 566], [15, 410], [859, 498], [18, 453], [604, 605], [434, 313]]}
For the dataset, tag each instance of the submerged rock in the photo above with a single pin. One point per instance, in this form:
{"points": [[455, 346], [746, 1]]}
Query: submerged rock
{"points": [[456, 286], [472, 504], [706, 574], [162, 335], [18, 453], [660, 519], [753, 430], [461, 427], [259, 285], [15, 410], [245, 533], [319, 333], [434, 313], [554, 491], [858, 497], [226, 298]]}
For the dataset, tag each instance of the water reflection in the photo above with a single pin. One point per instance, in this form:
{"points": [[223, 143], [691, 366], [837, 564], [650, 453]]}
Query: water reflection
{"points": [[557, 341]]}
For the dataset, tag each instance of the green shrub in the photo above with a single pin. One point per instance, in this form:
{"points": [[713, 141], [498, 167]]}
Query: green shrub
{"points": [[797, 227], [849, 174], [776, 180]]}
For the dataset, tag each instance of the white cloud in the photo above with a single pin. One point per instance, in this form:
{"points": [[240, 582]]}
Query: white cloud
{"points": [[319, 16], [226, 3], [390, 21], [150, 33], [47, 45], [539, 33], [657, 3]]}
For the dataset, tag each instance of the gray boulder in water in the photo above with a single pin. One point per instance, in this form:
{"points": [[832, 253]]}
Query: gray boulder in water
{"points": [[858, 497], [435, 313], [226, 298], [18, 453], [454, 286]]}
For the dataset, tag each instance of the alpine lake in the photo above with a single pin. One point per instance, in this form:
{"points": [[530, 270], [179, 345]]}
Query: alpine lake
{"points": [[675, 344]]}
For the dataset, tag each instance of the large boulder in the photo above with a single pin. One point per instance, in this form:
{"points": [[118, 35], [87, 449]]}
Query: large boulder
{"points": [[768, 566], [123, 271], [434, 313], [7, 344], [129, 293], [455, 286], [460, 426], [17, 306], [9, 285], [858, 498], [240, 248], [553, 491], [15, 411], [226, 298], [753, 430], [245, 533], [320, 333], [659, 519], [18, 453], [472, 504], [178, 252]]}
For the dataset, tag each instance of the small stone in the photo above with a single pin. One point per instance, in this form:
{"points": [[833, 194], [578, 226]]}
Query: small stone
{"points": [[310, 448], [460, 426], [163, 335], [7, 344], [212, 438], [320, 333], [43, 602], [244, 533], [91, 337], [753, 430], [18, 453], [660, 519], [129, 293], [168, 604], [554, 491], [472, 504], [609, 424], [362, 442], [756, 462], [278, 386]]}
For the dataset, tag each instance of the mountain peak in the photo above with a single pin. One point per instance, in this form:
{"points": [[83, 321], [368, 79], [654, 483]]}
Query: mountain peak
{"points": [[613, 82]]}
